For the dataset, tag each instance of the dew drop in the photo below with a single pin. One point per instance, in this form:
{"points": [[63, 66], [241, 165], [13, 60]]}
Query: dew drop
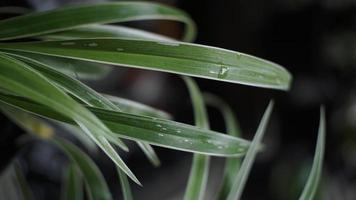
{"points": [[178, 131], [186, 140], [220, 147], [160, 134], [119, 49], [158, 125], [213, 72], [223, 71], [164, 129]]}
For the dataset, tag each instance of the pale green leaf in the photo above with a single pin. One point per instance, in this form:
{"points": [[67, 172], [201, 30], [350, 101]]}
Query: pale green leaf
{"points": [[75, 16], [125, 185], [198, 176], [160, 132], [232, 165], [94, 180], [105, 31], [137, 108], [173, 57], [91, 98], [73, 185], [21, 79], [311, 186], [242, 175]]}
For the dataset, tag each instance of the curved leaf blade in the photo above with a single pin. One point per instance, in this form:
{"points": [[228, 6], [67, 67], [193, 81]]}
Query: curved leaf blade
{"points": [[242, 175], [95, 182], [199, 171], [160, 132], [232, 165], [125, 185], [137, 108], [73, 188], [311, 186], [22, 80], [73, 68], [72, 17], [88, 96], [105, 31], [173, 57]]}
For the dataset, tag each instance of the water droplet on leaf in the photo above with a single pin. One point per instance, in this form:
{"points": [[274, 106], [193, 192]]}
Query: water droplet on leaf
{"points": [[223, 71]]}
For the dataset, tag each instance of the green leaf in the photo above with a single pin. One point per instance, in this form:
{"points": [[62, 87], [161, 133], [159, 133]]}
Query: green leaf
{"points": [[199, 171], [89, 97], [78, 133], [75, 88], [137, 108], [150, 153], [232, 165], [174, 57], [73, 68], [311, 186], [72, 17], [22, 80], [73, 188], [125, 185], [155, 131], [95, 182], [102, 31], [242, 175]]}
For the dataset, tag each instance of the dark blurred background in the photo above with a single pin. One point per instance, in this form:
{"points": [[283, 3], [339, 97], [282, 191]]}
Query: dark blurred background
{"points": [[314, 40]]}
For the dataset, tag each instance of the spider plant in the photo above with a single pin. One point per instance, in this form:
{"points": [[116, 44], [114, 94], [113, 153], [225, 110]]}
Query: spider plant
{"points": [[40, 50]]}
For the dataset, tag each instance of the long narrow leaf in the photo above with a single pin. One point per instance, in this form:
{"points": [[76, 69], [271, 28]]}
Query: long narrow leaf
{"points": [[137, 108], [311, 186], [71, 17], [174, 57], [102, 31], [242, 175], [73, 188], [155, 131], [21, 79], [95, 182], [74, 68], [232, 165], [78, 133], [150, 153], [125, 185], [199, 171], [87, 95]]}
